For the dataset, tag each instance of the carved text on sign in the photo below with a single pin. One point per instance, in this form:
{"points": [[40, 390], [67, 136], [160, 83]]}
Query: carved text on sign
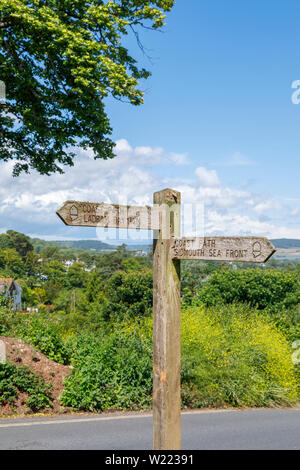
{"points": [[247, 249], [93, 214]]}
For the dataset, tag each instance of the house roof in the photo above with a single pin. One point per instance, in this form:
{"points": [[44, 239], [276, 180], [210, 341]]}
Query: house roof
{"points": [[6, 283]]}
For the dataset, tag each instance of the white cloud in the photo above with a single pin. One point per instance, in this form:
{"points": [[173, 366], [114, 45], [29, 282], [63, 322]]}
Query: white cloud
{"points": [[149, 156], [207, 177], [265, 206], [237, 159], [179, 158], [122, 146], [28, 203]]}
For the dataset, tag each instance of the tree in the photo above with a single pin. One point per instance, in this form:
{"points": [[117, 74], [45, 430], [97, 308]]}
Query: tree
{"points": [[54, 271], [108, 263], [94, 287], [129, 294], [59, 59], [77, 276], [49, 253], [15, 240], [135, 264], [31, 264], [20, 242], [12, 262], [5, 242]]}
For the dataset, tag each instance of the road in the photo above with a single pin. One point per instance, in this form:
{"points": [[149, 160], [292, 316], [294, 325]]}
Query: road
{"points": [[204, 430]]}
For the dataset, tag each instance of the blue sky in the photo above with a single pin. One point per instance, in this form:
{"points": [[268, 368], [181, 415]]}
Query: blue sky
{"points": [[221, 84], [218, 124]]}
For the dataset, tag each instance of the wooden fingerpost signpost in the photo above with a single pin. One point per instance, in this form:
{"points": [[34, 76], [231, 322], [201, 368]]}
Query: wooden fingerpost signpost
{"points": [[164, 218], [166, 325]]}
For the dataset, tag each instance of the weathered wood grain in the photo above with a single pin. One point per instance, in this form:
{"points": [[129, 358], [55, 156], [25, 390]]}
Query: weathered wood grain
{"points": [[166, 329], [242, 249], [99, 214]]}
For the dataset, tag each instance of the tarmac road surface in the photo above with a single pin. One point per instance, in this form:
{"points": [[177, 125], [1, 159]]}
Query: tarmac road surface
{"points": [[263, 429]]}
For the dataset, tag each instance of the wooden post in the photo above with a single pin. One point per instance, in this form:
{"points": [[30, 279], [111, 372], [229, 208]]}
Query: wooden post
{"points": [[166, 325]]}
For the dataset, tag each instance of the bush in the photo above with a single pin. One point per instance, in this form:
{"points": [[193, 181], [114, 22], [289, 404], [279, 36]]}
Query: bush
{"points": [[230, 357], [43, 333], [4, 301], [259, 288], [129, 294], [14, 380], [110, 372], [37, 329], [234, 357], [287, 321], [8, 320]]}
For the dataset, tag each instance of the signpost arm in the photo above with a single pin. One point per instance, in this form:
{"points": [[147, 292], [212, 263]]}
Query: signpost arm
{"points": [[166, 326]]}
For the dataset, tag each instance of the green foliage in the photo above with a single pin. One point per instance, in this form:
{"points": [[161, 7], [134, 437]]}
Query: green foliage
{"points": [[129, 294], [17, 257], [72, 301], [49, 253], [94, 287], [16, 379], [77, 276], [135, 264], [31, 263], [4, 302], [11, 262], [8, 320], [193, 276], [5, 242], [79, 320], [59, 60], [15, 240], [110, 371], [36, 329], [287, 321], [20, 242], [108, 263], [260, 288], [231, 356], [40, 331], [55, 271], [236, 339]]}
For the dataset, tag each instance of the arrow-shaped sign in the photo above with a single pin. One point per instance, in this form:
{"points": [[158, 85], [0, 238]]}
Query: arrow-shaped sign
{"points": [[100, 214], [244, 249]]}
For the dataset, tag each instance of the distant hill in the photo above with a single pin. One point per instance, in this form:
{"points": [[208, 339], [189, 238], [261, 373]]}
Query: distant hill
{"points": [[99, 246], [88, 245], [285, 243]]}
